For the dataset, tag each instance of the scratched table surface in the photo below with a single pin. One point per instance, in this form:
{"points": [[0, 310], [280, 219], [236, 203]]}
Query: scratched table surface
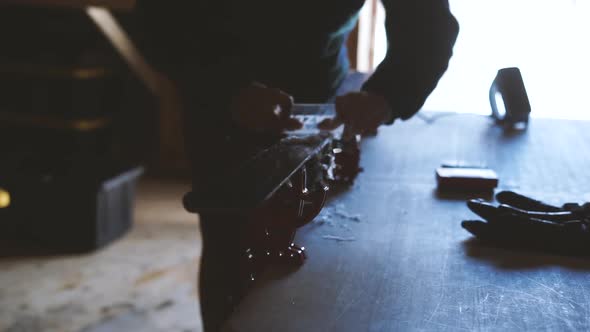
{"points": [[389, 253]]}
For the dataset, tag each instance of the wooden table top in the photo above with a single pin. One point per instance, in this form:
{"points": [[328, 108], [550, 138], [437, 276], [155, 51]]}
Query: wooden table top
{"points": [[405, 263]]}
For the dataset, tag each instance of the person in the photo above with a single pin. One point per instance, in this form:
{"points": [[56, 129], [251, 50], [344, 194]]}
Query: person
{"points": [[242, 64]]}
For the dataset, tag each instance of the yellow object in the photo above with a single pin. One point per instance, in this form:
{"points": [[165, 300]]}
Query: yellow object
{"points": [[4, 199]]}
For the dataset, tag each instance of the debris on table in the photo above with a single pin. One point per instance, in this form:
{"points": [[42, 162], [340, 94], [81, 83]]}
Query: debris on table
{"points": [[329, 213], [323, 220], [355, 218], [339, 238]]}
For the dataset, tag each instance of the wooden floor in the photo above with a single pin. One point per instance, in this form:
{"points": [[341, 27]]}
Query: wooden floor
{"points": [[143, 282]]}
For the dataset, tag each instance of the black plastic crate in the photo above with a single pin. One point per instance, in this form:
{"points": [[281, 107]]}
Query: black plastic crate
{"points": [[67, 206]]}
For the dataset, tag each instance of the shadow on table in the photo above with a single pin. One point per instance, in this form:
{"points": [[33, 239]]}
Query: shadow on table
{"points": [[514, 258]]}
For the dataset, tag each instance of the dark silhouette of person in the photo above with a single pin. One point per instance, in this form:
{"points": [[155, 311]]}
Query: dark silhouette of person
{"points": [[243, 63]]}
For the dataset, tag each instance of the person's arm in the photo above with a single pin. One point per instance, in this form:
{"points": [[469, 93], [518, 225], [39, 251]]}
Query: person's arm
{"points": [[421, 35]]}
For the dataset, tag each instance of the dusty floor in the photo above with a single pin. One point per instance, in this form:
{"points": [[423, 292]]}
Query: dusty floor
{"points": [[144, 282]]}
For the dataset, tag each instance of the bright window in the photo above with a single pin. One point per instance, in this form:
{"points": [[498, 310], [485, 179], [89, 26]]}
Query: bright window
{"points": [[549, 40]]}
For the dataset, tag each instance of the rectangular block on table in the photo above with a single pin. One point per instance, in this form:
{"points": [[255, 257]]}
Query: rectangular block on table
{"points": [[466, 179]]}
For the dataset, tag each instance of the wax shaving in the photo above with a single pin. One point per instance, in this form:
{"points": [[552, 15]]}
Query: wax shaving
{"points": [[338, 238]]}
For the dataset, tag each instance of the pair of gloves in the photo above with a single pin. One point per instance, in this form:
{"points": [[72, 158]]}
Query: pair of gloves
{"points": [[519, 221]]}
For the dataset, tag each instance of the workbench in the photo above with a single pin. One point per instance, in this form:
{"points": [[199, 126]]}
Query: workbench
{"points": [[389, 254]]}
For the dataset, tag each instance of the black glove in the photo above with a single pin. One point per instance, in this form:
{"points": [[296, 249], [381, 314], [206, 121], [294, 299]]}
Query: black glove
{"points": [[523, 222]]}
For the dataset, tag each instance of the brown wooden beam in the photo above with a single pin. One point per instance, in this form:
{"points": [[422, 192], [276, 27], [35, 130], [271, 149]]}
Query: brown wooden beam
{"points": [[172, 153]]}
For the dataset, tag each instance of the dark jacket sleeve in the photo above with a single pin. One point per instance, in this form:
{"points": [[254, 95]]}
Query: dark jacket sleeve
{"points": [[420, 35]]}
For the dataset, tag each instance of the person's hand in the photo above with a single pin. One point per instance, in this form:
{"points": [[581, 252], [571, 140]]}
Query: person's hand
{"points": [[361, 113], [522, 222], [262, 109]]}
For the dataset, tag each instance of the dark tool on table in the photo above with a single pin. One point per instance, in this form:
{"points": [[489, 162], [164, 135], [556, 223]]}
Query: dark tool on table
{"points": [[520, 221], [509, 100], [250, 214]]}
